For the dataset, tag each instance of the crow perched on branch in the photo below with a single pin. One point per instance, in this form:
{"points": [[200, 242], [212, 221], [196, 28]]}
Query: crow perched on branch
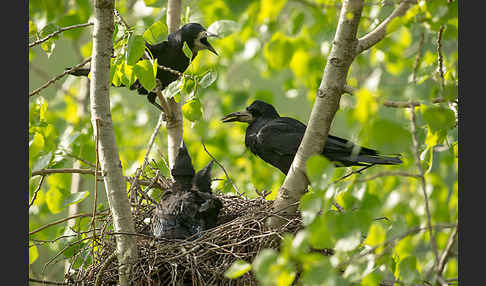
{"points": [[189, 207], [170, 54], [276, 139]]}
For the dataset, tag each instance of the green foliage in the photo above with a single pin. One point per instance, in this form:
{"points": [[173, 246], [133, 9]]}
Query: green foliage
{"points": [[156, 33], [275, 51], [237, 269]]}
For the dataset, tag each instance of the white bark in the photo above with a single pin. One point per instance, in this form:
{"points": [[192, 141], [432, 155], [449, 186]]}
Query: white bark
{"points": [[175, 123], [102, 124], [344, 49], [325, 106]]}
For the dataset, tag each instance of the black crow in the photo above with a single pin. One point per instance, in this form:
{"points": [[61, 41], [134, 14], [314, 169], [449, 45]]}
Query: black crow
{"points": [[189, 207], [170, 54], [276, 139]]}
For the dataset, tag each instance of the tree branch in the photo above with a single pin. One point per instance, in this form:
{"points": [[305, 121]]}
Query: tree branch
{"points": [[53, 80], [53, 34], [326, 104], [416, 150], [379, 32], [115, 185]]}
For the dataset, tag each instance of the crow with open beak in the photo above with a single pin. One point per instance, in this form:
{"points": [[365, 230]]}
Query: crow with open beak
{"points": [[276, 139], [170, 54]]}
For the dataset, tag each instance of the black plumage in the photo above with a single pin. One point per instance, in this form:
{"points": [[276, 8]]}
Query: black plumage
{"points": [[170, 54], [276, 140], [189, 207]]}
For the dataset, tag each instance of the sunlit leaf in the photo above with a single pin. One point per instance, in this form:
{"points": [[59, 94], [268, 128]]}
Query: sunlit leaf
{"points": [[223, 28], [135, 49], [145, 74], [237, 269], [192, 110], [156, 33], [75, 198], [208, 79], [33, 254]]}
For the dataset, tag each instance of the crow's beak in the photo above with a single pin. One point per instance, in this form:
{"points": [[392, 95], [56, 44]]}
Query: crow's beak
{"points": [[241, 116], [208, 46]]}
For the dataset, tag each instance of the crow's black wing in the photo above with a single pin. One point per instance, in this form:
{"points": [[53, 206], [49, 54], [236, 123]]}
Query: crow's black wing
{"points": [[281, 136], [277, 141]]}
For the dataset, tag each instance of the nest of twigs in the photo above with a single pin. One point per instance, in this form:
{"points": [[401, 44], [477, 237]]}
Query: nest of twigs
{"points": [[199, 260]]}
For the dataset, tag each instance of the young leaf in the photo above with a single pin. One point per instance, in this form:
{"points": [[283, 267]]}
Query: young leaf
{"points": [[135, 49], [75, 198], [187, 51], [156, 33], [223, 28], [208, 79], [192, 110], [173, 89], [42, 162], [319, 170], [237, 269], [33, 254], [145, 74]]}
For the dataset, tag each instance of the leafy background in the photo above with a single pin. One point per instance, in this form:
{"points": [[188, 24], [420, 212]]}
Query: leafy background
{"points": [[275, 51]]}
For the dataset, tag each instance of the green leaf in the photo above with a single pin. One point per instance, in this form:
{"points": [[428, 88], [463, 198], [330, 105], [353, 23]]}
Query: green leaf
{"points": [[438, 118], [135, 49], [348, 242], [156, 33], [172, 89], [75, 198], [49, 45], [208, 79], [145, 74], [33, 254], [36, 145], [310, 204], [32, 28], [408, 270], [278, 51], [54, 200], [42, 162], [237, 269], [263, 261], [223, 28], [187, 51], [319, 170], [192, 110]]}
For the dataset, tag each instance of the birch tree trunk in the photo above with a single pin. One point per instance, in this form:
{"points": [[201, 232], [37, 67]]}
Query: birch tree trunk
{"points": [[103, 128], [325, 106], [344, 49], [175, 123]]}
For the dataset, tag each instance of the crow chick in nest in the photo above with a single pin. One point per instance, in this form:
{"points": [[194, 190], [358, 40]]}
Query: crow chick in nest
{"points": [[276, 139], [189, 207], [170, 54]]}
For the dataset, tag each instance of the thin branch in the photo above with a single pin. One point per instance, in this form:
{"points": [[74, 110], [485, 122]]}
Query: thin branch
{"points": [[440, 58], [103, 267], [416, 149], [36, 191], [419, 57], [373, 37], [53, 80], [224, 170], [409, 104], [386, 174], [447, 251], [47, 282], [58, 32], [395, 238], [44, 172], [60, 221]]}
